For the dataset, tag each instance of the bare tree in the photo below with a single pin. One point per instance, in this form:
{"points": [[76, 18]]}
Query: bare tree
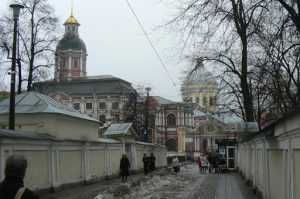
{"points": [[37, 37], [279, 41], [293, 12], [223, 32]]}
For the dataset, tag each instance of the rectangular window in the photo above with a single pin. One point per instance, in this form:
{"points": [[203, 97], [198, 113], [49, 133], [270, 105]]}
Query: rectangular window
{"points": [[102, 119], [102, 105], [75, 63], [76, 106], [88, 106], [115, 106], [64, 63]]}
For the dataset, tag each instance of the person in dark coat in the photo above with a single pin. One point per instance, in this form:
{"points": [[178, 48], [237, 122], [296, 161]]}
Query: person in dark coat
{"points": [[13, 184], [199, 164], [124, 167], [152, 160], [146, 164]]}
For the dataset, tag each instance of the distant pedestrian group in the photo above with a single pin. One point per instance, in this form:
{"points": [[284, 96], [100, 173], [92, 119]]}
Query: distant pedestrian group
{"points": [[203, 164], [149, 163]]}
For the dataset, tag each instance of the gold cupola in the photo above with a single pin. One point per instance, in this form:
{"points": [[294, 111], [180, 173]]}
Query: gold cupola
{"points": [[72, 19]]}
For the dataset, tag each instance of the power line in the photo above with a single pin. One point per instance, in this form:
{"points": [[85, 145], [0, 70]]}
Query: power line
{"points": [[152, 46]]}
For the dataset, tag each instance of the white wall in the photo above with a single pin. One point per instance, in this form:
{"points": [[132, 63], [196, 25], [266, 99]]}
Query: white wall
{"points": [[271, 160], [53, 163]]}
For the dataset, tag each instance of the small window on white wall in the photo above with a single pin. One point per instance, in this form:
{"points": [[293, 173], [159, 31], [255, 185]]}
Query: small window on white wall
{"points": [[89, 106], [115, 105], [76, 106], [102, 105]]}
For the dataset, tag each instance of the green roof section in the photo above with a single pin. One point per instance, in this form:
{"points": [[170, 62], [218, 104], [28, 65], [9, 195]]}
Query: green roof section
{"points": [[70, 42], [33, 102], [86, 86]]}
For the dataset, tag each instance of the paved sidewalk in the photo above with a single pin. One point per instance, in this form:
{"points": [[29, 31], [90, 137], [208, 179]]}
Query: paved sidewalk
{"points": [[231, 186]]}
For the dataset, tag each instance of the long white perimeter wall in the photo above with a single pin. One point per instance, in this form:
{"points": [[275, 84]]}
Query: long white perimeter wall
{"points": [[271, 160], [53, 163]]}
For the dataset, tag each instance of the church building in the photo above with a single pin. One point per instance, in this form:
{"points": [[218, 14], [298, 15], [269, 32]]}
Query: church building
{"points": [[104, 97], [201, 88]]}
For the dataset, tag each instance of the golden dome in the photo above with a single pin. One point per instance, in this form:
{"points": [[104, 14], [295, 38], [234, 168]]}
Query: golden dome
{"points": [[72, 19]]}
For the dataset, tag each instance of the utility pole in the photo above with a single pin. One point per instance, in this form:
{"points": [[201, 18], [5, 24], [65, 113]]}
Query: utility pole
{"points": [[16, 11], [146, 122]]}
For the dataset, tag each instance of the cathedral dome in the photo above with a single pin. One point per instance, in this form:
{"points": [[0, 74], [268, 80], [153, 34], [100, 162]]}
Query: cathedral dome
{"points": [[200, 75], [72, 20], [70, 42]]}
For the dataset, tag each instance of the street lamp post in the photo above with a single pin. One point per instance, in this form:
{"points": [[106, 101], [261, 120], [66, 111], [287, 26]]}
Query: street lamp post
{"points": [[16, 11], [148, 89]]}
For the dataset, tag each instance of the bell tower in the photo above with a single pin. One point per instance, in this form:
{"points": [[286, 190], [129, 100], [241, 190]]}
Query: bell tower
{"points": [[70, 54]]}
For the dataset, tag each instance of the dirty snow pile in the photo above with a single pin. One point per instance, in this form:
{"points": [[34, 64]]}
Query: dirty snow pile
{"points": [[145, 187]]}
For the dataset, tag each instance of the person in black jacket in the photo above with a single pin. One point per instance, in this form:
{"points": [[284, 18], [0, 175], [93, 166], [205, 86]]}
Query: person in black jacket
{"points": [[146, 164], [12, 184], [124, 167], [152, 160]]}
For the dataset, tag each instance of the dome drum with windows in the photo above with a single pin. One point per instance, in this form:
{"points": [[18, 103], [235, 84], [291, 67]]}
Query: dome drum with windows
{"points": [[200, 87]]}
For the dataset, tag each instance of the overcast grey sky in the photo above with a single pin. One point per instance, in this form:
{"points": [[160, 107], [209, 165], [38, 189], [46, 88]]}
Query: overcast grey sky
{"points": [[116, 44]]}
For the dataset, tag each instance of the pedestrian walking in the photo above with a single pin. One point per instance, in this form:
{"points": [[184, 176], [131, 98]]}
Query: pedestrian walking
{"points": [[146, 164], [199, 164], [205, 164], [12, 187], [152, 160], [124, 167], [175, 163]]}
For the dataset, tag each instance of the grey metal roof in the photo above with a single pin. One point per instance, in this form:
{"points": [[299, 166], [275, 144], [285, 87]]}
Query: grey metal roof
{"points": [[162, 100], [200, 75], [86, 86], [33, 102], [199, 113], [108, 140], [5, 133], [119, 129], [227, 117], [70, 42]]}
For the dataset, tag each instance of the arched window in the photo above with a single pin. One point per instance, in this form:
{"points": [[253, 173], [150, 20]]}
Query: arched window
{"points": [[102, 119], [211, 101], [204, 101], [171, 144], [171, 120], [197, 100]]}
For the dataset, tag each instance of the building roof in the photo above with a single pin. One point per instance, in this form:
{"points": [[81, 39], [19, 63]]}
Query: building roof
{"points": [[162, 100], [227, 117], [109, 140], [33, 102], [200, 75], [6, 133], [71, 42], [121, 129], [86, 86], [72, 19]]}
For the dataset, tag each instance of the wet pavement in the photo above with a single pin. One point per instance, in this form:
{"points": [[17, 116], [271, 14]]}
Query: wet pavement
{"points": [[164, 184]]}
